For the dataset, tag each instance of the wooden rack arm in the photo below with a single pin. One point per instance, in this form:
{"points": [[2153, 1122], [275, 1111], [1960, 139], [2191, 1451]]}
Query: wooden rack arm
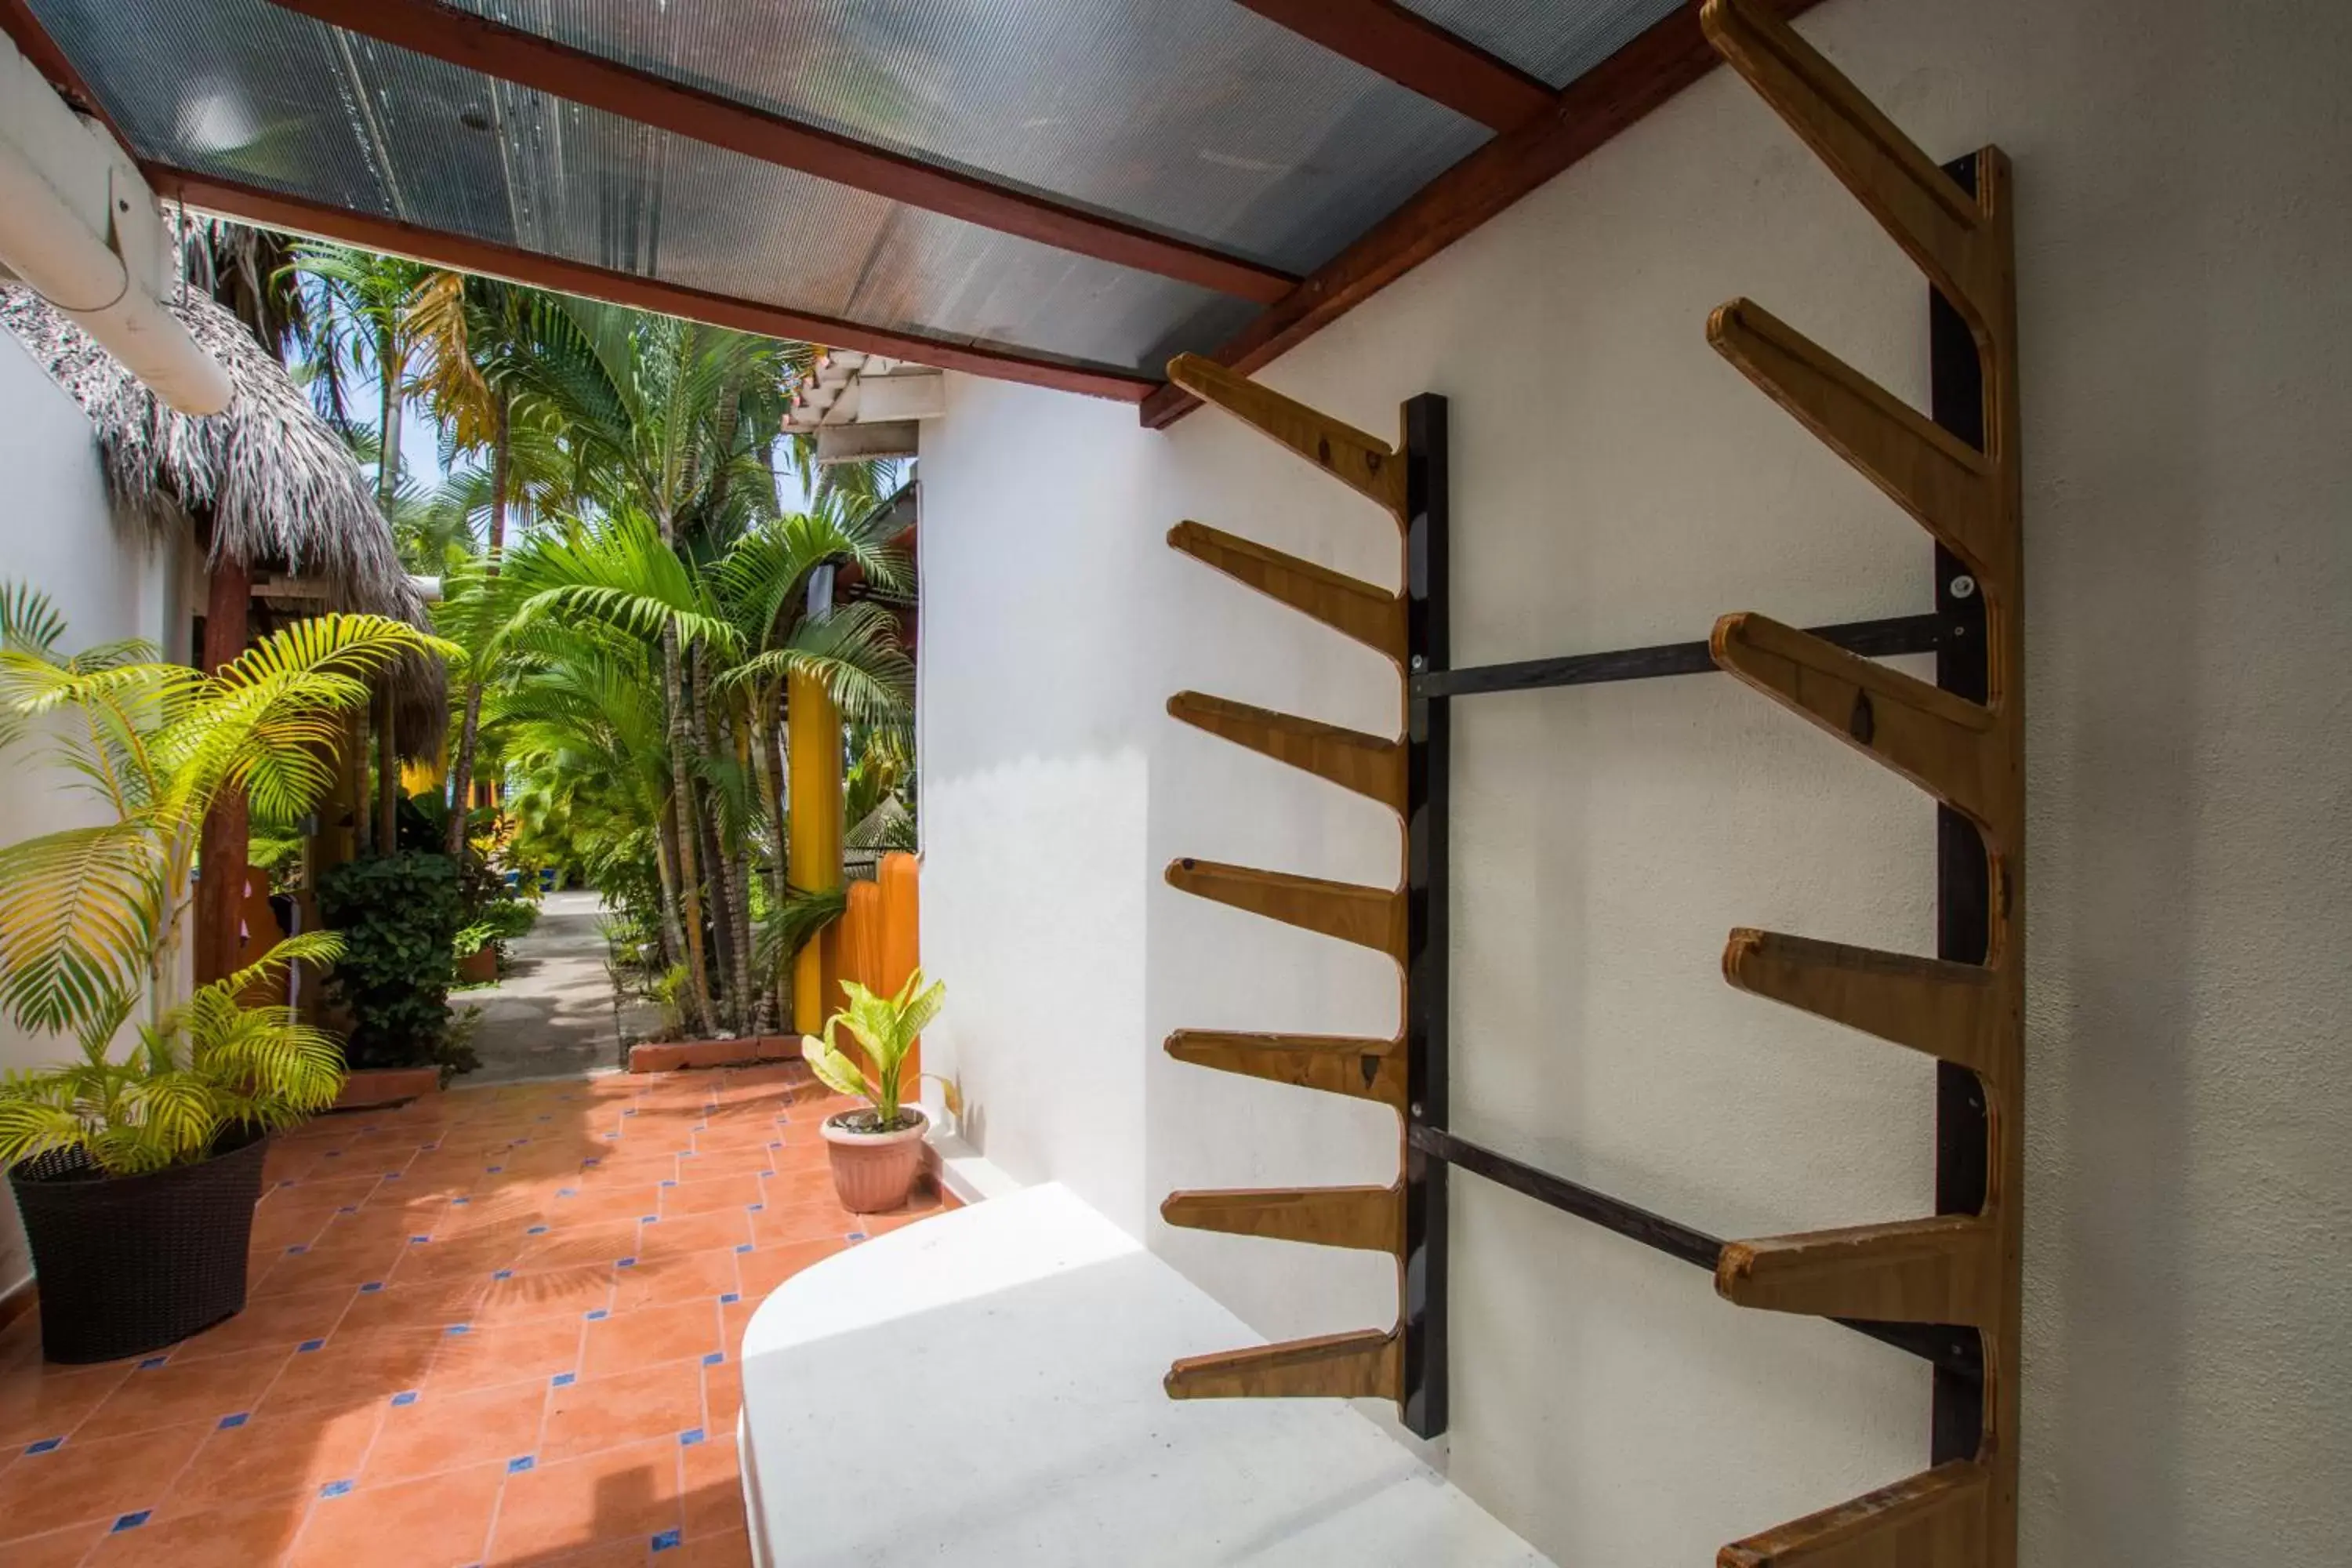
{"points": [[1941, 742], [1373, 617], [1368, 1219], [1943, 483], [1950, 1011], [1370, 765], [1365, 463], [1363, 1365], [1336, 1064], [1935, 1519], [1940, 1270], [1368, 917], [1938, 225]]}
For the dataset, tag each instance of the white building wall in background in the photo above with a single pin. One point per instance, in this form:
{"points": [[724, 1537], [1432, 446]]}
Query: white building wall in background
{"points": [[58, 534], [2182, 225]]}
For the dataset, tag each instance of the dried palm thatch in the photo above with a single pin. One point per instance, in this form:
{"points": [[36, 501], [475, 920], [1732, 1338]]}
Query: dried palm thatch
{"points": [[277, 487]]}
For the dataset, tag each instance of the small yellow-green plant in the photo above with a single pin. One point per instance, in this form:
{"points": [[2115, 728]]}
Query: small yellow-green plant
{"points": [[885, 1028]]}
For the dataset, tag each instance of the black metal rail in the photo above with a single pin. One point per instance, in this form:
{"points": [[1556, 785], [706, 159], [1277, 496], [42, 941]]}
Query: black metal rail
{"points": [[1873, 639]]}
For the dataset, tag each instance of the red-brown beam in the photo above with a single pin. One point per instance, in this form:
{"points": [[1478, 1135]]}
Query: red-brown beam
{"points": [[1415, 52], [270, 209], [527, 60], [1594, 107]]}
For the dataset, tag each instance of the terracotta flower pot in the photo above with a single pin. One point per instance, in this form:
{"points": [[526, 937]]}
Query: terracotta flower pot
{"points": [[873, 1172]]}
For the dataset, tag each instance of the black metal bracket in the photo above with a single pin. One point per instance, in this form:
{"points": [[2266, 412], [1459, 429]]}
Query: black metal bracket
{"points": [[1953, 632]]}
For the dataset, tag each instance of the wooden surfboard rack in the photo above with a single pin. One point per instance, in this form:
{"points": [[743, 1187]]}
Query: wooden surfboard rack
{"points": [[1945, 1287]]}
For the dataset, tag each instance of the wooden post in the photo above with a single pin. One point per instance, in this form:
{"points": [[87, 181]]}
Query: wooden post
{"points": [[220, 885], [387, 775]]}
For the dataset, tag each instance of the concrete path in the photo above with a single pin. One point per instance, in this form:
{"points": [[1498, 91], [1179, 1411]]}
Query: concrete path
{"points": [[553, 1014]]}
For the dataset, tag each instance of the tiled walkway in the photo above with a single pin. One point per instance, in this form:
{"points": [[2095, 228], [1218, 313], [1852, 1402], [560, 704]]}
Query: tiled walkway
{"points": [[500, 1326]]}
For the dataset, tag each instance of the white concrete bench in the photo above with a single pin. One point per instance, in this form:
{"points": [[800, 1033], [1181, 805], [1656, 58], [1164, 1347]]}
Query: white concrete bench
{"points": [[983, 1388]]}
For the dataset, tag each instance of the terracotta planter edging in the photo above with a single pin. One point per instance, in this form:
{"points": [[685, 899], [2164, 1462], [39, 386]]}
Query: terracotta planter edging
{"points": [[670, 1055]]}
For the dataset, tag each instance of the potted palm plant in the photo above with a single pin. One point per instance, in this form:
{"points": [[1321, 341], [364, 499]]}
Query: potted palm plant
{"points": [[136, 1165], [877, 1149]]}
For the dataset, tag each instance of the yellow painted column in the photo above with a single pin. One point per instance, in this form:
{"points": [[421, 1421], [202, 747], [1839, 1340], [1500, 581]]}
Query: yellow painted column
{"points": [[813, 820]]}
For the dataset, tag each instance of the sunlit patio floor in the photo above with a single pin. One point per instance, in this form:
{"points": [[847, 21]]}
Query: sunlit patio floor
{"points": [[497, 1326]]}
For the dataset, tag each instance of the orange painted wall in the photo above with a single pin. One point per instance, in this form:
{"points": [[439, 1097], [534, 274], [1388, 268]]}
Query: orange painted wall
{"points": [[876, 941]]}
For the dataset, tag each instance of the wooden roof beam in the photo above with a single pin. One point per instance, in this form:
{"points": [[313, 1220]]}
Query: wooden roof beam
{"points": [[271, 209], [528, 59], [1415, 53]]}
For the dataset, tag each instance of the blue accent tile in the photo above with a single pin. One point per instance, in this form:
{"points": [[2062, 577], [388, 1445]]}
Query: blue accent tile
{"points": [[714, 1358], [755, 1208], [650, 1219], [742, 1246], [592, 1160], [418, 1240], [392, 1175], [153, 1362], [501, 1273], [536, 1231], [625, 1263], [628, 1114], [285, 1184], [426, 1148], [372, 1286], [565, 1193], [334, 1488], [777, 1144], [546, 1118], [229, 1422], [854, 1235], [667, 1540], [407, 1399], [349, 1208], [689, 1438], [599, 1315], [668, 1182], [131, 1521], [729, 1298], [515, 1466], [46, 1445], [307, 1346], [460, 1329], [335, 1153], [564, 1379], [493, 1170], [612, 1137], [461, 1200]]}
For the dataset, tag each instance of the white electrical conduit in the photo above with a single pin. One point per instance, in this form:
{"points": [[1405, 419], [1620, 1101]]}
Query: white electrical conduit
{"points": [[47, 246]]}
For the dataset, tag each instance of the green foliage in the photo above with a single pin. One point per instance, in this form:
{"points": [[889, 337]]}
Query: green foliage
{"points": [[500, 920], [90, 918], [199, 1071], [885, 1028], [398, 916]]}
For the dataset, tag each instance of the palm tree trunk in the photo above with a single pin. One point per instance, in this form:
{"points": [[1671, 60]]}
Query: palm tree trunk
{"points": [[757, 997], [387, 482], [727, 890], [689, 878], [764, 769], [666, 866], [461, 766]]}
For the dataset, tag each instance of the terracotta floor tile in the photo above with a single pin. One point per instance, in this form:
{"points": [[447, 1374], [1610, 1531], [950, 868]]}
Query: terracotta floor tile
{"points": [[93, 1478], [589, 1416], [733, 1317], [601, 1202], [201, 1390], [332, 1188], [693, 1195], [355, 1368], [687, 1330], [459, 1258], [320, 1268], [579, 1245], [815, 1219], [280, 1322], [571, 1293], [696, 1233], [236, 1536], [711, 1489], [715, 1164], [620, 1164], [57, 1548], [38, 1401], [274, 1233], [443, 1432], [722, 1392], [416, 1304], [614, 1495], [496, 1354], [731, 1550], [763, 1270], [275, 1454], [426, 1524], [685, 1277]]}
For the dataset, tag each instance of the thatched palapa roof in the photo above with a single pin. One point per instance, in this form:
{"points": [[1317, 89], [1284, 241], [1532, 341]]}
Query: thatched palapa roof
{"points": [[279, 487]]}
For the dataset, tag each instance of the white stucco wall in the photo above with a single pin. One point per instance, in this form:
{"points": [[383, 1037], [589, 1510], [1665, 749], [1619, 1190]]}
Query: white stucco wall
{"points": [[2183, 222], [58, 534]]}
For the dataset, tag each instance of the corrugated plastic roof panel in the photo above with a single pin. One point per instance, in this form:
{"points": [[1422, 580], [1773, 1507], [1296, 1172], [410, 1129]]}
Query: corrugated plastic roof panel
{"points": [[1556, 40]]}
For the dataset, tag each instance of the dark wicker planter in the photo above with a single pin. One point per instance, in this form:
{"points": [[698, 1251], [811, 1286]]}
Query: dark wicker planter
{"points": [[127, 1265]]}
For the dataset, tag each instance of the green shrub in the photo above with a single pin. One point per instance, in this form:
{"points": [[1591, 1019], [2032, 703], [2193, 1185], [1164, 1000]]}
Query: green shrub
{"points": [[398, 916]]}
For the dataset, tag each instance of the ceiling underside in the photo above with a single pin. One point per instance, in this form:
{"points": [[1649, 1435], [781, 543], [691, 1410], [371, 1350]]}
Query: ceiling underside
{"points": [[1209, 130]]}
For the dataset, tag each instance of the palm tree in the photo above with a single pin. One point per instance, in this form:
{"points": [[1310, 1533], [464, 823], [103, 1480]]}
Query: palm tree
{"points": [[90, 918]]}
